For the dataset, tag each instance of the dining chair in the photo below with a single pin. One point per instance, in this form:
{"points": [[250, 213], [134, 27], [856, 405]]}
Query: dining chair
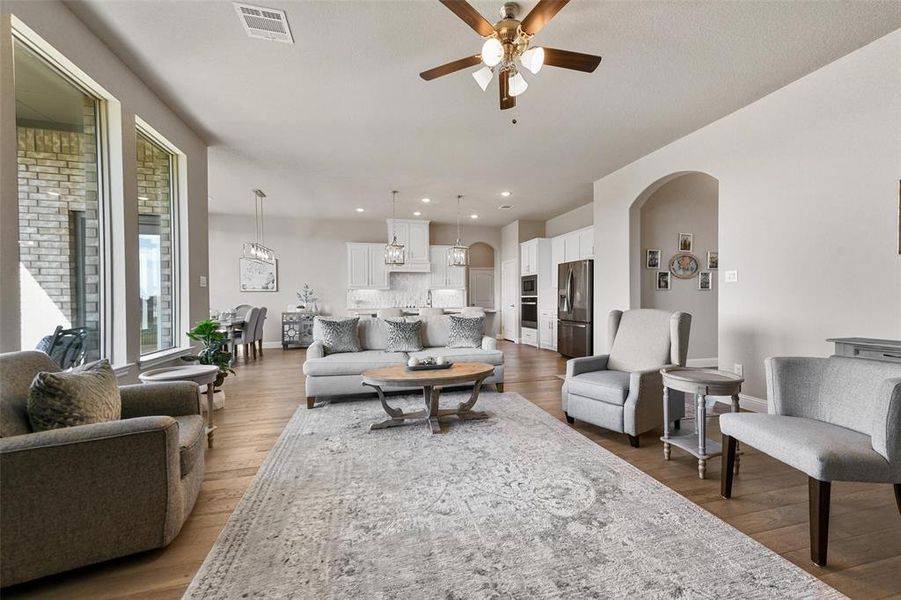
{"points": [[258, 332], [244, 336], [241, 310]]}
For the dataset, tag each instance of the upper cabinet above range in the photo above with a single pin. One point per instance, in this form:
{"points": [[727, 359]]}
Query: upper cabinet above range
{"points": [[414, 235]]}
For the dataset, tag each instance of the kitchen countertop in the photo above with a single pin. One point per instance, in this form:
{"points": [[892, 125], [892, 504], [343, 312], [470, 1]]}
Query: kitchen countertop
{"points": [[410, 311]]}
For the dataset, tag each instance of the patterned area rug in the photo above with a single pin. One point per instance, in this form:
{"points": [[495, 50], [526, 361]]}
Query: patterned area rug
{"points": [[515, 506]]}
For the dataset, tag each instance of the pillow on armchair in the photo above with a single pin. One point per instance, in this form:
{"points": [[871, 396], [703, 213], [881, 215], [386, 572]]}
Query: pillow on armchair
{"points": [[82, 396]]}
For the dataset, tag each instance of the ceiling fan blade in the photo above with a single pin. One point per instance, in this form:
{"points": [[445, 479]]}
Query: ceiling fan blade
{"points": [[539, 16], [451, 67], [507, 101], [471, 16], [571, 60]]}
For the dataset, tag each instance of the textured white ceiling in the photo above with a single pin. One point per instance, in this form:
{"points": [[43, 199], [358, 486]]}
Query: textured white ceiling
{"points": [[339, 119]]}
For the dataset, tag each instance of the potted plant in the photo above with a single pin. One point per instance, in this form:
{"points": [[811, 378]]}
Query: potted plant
{"points": [[307, 299], [213, 351]]}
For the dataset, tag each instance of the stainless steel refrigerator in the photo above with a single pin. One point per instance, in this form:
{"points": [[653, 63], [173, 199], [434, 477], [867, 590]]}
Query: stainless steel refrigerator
{"points": [[575, 284]]}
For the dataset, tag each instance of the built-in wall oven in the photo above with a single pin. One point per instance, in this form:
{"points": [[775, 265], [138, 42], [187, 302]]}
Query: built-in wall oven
{"points": [[529, 312]]}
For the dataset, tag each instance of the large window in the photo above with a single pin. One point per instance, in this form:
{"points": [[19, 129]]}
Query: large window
{"points": [[157, 243], [60, 208]]}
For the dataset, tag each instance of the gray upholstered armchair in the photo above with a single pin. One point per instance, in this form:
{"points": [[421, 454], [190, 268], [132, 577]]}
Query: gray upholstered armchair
{"points": [[835, 419], [623, 390], [80, 495]]}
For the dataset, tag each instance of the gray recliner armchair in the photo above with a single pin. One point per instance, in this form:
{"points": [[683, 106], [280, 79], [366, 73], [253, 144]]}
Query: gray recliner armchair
{"points": [[80, 495], [623, 390], [834, 419]]}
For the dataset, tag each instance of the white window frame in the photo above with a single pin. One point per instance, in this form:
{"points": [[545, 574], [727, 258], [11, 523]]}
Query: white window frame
{"points": [[180, 310], [68, 70]]}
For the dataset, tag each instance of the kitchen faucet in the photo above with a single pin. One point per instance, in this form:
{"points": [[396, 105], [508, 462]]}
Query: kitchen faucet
{"points": [[428, 298]]}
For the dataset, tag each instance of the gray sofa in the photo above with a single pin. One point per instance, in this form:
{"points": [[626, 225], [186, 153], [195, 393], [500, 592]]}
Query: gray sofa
{"points": [[834, 419], [341, 374], [623, 390], [81, 495]]}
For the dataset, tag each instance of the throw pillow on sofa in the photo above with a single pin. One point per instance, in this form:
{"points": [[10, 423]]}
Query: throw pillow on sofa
{"points": [[403, 335], [84, 395], [339, 335], [465, 332]]}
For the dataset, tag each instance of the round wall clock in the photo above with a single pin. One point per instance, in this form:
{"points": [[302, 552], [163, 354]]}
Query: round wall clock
{"points": [[684, 265]]}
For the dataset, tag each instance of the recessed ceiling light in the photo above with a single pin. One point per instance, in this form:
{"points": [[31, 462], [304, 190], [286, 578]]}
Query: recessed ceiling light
{"points": [[505, 194], [473, 216], [426, 200], [361, 210], [417, 214]]}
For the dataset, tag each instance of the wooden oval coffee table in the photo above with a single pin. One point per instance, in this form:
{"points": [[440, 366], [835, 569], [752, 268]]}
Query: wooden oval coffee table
{"points": [[431, 382]]}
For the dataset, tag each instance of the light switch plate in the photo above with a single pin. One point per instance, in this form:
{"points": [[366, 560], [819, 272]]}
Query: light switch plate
{"points": [[731, 276], [203, 281]]}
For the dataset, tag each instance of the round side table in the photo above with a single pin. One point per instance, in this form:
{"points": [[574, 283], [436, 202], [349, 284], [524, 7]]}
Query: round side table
{"points": [[199, 374], [701, 383]]}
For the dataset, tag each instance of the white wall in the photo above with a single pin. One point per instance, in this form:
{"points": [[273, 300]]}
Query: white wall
{"points": [[575, 219], [310, 251], [808, 200], [687, 204], [130, 98]]}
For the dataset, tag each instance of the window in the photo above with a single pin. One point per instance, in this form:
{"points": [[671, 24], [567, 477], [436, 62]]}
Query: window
{"points": [[61, 204], [157, 245]]}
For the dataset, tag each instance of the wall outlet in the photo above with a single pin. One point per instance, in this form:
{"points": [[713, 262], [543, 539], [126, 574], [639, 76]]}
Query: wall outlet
{"points": [[731, 276], [738, 369], [203, 281]]}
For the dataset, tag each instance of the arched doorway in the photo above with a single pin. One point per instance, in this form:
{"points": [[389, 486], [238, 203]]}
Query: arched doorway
{"points": [[674, 262], [480, 276]]}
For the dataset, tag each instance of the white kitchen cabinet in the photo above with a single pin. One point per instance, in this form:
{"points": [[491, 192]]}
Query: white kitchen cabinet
{"points": [[571, 247], [441, 275], [366, 266], [586, 243], [414, 235], [528, 257], [529, 336], [547, 331]]}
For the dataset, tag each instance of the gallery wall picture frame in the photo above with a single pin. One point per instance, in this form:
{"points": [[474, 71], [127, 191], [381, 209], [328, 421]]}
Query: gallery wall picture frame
{"points": [[684, 265], [713, 260], [257, 275], [686, 242], [663, 281], [705, 280], [652, 259]]}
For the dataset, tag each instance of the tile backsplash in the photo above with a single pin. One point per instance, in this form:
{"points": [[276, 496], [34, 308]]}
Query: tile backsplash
{"points": [[407, 290]]}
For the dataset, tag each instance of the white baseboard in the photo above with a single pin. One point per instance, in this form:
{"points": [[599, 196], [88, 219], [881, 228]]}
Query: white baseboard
{"points": [[702, 362], [752, 403], [272, 345]]}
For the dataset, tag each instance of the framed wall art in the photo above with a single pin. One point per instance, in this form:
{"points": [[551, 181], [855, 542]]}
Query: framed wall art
{"points": [[684, 265], [686, 242], [713, 260], [705, 281], [663, 280], [652, 259], [258, 275]]}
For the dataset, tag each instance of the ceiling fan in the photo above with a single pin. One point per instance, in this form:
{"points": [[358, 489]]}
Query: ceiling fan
{"points": [[507, 41]]}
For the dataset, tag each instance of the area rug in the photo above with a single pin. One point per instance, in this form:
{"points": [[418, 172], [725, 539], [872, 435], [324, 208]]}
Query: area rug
{"points": [[516, 506]]}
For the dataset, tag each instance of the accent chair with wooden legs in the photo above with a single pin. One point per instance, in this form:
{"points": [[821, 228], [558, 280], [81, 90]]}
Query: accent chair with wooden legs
{"points": [[834, 419], [623, 390]]}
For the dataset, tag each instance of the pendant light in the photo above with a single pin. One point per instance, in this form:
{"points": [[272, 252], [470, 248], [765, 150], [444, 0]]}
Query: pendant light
{"points": [[394, 252], [257, 250], [458, 254]]}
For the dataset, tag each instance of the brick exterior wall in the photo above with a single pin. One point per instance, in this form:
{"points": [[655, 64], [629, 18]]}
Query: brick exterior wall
{"points": [[154, 198], [57, 189]]}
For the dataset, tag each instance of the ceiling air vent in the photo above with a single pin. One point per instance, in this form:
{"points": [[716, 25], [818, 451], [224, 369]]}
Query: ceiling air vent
{"points": [[505, 207], [265, 23]]}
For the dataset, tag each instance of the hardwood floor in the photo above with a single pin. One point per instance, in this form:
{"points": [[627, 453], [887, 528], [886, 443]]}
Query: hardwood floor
{"points": [[769, 500]]}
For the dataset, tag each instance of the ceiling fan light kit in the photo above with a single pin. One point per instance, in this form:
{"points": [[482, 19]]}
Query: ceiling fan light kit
{"points": [[507, 42]]}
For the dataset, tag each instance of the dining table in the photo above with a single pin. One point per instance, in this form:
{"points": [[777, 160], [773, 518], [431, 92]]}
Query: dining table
{"points": [[228, 325]]}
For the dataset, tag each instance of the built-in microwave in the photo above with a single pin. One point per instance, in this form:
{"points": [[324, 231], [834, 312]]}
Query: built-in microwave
{"points": [[529, 286]]}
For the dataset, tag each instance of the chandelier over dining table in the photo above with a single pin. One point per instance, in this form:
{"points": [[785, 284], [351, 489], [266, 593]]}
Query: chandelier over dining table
{"points": [[257, 249]]}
